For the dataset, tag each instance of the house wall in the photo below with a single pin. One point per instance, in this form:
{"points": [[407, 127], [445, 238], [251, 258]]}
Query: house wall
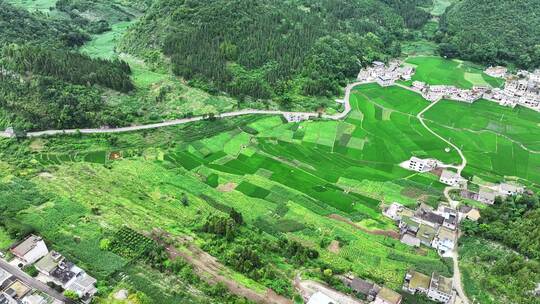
{"points": [[39, 251]]}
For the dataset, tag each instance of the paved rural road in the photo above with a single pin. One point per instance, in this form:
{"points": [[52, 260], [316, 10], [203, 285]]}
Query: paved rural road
{"points": [[455, 254], [28, 280], [175, 122]]}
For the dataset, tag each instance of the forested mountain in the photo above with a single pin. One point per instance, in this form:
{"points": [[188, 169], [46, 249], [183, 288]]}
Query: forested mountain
{"points": [[19, 26], [45, 83], [68, 66], [272, 49], [493, 32]]}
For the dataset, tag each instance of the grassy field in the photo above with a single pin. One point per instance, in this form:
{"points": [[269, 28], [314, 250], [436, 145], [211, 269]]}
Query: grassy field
{"points": [[439, 71], [5, 240]]}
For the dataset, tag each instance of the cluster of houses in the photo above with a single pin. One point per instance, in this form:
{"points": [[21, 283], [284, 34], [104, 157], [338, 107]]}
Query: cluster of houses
{"points": [[53, 269], [437, 287], [446, 175], [14, 291], [370, 291], [427, 226], [520, 89], [438, 92], [487, 194], [386, 75]]}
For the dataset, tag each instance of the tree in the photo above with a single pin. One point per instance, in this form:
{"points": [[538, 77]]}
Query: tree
{"points": [[236, 216], [72, 295], [184, 200]]}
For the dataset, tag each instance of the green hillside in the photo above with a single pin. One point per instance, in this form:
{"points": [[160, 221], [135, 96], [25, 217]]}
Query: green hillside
{"points": [[493, 32], [271, 49]]}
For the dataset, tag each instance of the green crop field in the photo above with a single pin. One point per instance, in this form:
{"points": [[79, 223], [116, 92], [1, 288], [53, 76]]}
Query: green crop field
{"points": [[283, 177], [497, 141], [440, 71]]}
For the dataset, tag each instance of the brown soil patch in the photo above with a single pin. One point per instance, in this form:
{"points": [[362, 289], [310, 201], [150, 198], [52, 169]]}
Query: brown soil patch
{"points": [[210, 269], [387, 233], [334, 247], [115, 155], [437, 171], [228, 187], [412, 192]]}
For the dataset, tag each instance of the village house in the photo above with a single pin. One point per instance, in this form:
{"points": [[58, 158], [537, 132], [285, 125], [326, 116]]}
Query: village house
{"points": [[506, 189], [468, 212], [363, 287], [444, 241], [441, 289], [486, 196], [394, 211], [55, 268], [419, 85], [451, 178], [6, 299], [406, 73], [428, 217], [385, 80], [30, 250], [416, 282], [436, 287], [321, 298], [450, 215], [426, 234], [387, 296], [4, 276], [17, 290], [496, 71], [420, 165], [296, 117]]}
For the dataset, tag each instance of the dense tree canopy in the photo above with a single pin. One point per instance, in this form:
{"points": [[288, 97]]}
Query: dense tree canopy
{"points": [[19, 26], [493, 32], [266, 49], [68, 66]]}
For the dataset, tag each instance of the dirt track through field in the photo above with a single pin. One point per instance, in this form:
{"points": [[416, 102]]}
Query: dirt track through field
{"points": [[210, 270], [387, 233]]}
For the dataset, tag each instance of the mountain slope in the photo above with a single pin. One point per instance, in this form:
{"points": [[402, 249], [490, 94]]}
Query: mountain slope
{"points": [[269, 49], [493, 32]]}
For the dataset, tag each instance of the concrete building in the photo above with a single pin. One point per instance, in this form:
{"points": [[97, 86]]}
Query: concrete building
{"points": [[321, 298], [506, 189], [451, 178], [486, 196], [416, 282], [497, 71], [420, 165], [440, 289], [387, 296], [394, 211], [359, 286], [30, 250], [445, 240]]}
